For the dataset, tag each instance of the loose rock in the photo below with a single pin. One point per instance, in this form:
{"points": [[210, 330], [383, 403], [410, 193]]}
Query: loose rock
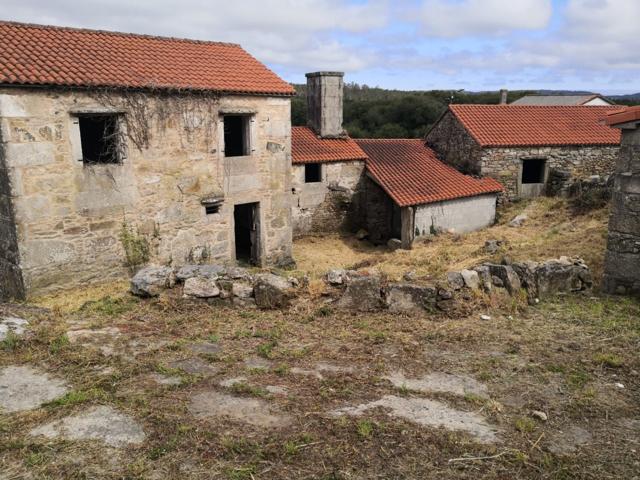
{"points": [[455, 280], [200, 287], [150, 281], [471, 279], [518, 220], [363, 294], [408, 298], [272, 291]]}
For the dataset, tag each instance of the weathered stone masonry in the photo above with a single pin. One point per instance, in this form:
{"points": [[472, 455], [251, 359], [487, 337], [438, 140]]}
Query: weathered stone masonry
{"points": [[69, 216], [333, 205], [622, 260]]}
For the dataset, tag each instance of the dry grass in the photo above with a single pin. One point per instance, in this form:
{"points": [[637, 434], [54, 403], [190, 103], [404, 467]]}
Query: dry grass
{"points": [[549, 233], [563, 357]]}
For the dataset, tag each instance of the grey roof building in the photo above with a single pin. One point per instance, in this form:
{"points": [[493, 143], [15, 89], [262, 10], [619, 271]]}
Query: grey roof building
{"points": [[564, 100]]}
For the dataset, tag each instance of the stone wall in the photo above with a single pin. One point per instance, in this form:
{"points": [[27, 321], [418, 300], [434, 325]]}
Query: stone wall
{"points": [[69, 216], [11, 285], [622, 260], [454, 145], [379, 213], [504, 164], [333, 205], [460, 215]]}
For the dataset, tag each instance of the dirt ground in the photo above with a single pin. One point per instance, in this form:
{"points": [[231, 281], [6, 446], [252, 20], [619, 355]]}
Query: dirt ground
{"points": [[171, 388]]}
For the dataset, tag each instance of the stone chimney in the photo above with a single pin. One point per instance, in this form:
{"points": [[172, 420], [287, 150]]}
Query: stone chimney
{"points": [[622, 260], [324, 103], [503, 96]]}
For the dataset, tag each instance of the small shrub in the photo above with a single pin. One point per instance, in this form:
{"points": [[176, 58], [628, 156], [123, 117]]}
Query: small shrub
{"points": [[58, 343], [525, 424], [10, 342], [610, 360], [136, 246], [365, 428], [265, 350]]}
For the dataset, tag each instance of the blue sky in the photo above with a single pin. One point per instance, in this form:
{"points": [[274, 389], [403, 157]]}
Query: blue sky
{"points": [[412, 44]]}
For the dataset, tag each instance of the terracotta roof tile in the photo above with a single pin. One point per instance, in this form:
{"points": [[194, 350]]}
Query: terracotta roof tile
{"points": [[631, 114], [411, 174], [526, 125], [45, 55], [307, 147]]}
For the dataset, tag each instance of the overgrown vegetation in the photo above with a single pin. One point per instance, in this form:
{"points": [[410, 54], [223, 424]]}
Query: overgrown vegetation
{"points": [[136, 246]]}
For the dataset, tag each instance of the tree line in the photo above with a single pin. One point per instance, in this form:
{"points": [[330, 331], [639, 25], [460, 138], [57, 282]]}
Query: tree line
{"points": [[372, 112]]}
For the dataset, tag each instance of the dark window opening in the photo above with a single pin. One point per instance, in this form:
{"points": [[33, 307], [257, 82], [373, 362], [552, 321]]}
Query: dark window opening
{"points": [[533, 171], [99, 138], [211, 209], [312, 173], [246, 228], [236, 135]]}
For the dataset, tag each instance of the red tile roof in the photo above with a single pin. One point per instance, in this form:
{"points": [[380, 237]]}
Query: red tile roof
{"points": [[45, 55], [631, 114], [411, 174], [527, 125], [307, 147]]}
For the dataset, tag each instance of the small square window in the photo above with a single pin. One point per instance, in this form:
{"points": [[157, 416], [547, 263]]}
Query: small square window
{"points": [[99, 138], [312, 173], [533, 170], [236, 135]]}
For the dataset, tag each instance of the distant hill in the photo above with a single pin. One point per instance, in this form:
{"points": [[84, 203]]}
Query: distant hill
{"points": [[373, 112]]}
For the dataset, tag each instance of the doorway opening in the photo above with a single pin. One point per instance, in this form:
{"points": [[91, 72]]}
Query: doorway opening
{"points": [[247, 228]]}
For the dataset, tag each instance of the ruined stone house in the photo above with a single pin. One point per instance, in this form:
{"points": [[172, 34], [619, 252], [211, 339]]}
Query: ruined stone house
{"points": [[410, 194], [328, 166], [531, 150], [622, 260], [120, 149]]}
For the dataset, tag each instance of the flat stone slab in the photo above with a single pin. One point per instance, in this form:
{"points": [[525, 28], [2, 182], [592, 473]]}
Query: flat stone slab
{"points": [[256, 363], [567, 441], [204, 348], [439, 382], [25, 388], [230, 382], [429, 413], [12, 324], [102, 423], [213, 404], [194, 366], [165, 380], [101, 338], [276, 390], [319, 368]]}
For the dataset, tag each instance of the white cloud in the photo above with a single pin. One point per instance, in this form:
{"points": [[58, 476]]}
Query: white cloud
{"points": [[446, 18], [300, 34]]}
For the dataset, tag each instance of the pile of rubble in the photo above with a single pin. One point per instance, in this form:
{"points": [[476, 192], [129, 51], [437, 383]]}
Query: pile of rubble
{"points": [[235, 284]]}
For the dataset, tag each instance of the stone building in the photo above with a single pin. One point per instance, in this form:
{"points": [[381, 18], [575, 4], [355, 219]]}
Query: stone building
{"points": [[622, 260], [120, 149], [411, 194], [328, 166], [527, 148]]}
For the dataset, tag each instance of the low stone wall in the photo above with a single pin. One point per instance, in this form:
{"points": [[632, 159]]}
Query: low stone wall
{"points": [[367, 293]]}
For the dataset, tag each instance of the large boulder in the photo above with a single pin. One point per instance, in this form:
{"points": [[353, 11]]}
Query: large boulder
{"points": [[408, 298], [484, 276], [507, 275], [200, 287], [150, 281], [363, 293], [272, 291], [562, 275], [526, 271]]}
